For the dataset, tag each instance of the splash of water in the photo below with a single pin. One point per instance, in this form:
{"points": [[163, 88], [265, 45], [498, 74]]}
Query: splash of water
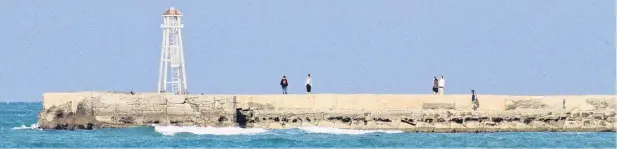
{"points": [[33, 126], [171, 130]]}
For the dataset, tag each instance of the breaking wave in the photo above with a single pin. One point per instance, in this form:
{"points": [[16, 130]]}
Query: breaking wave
{"points": [[33, 126], [171, 130]]}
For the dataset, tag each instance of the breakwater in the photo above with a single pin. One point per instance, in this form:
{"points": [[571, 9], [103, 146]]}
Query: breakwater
{"points": [[412, 113]]}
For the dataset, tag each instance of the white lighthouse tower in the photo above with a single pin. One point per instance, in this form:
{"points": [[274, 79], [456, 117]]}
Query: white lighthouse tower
{"points": [[172, 71]]}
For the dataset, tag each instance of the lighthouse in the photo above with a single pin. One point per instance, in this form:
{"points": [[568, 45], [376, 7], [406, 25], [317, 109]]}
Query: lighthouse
{"points": [[172, 71]]}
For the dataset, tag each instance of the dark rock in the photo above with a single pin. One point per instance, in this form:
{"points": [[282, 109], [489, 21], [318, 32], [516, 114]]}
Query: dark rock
{"points": [[441, 120], [428, 120], [497, 119], [89, 126], [409, 121], [529, 120], [346, 120], [222, 119], [335, 118], [457, 120], [383, 120], [471, 119], [153, 122], [59, 114], [127, 120]]}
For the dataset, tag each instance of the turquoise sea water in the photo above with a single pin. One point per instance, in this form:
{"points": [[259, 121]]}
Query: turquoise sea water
{"points": [[18, 129]]}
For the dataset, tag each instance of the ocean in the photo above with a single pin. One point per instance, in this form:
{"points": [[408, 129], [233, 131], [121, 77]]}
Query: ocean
{"points": [[18, 128]]}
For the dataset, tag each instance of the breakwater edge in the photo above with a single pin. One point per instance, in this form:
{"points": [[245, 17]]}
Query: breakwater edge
{"points": [[409, 113]]}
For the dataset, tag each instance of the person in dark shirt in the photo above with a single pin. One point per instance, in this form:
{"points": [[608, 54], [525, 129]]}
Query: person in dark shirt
{"points": [[309, 84], [284, 84], [435, 84]]}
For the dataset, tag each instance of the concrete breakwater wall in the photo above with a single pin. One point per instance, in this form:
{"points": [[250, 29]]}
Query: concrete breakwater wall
{"points": [[414, 113]]}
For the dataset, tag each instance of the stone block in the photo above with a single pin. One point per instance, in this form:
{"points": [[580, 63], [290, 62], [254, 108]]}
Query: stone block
{"points": [[438, 106], [175, 99], [369, 103], [325, 123], [345, 102], [275, 126], [180, 109], [308, 124], [441, 125], [293, 125], [573, 124], [342, 125], [403, 126]]}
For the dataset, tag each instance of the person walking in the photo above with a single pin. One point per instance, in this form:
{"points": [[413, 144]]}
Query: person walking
{"points": [[435, 85], [309, 84], [442, 85], [284, 84]]}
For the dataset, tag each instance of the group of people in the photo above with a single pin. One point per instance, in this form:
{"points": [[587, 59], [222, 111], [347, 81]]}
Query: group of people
{"points": [[438, 88], [438, 85], [309, 83]]}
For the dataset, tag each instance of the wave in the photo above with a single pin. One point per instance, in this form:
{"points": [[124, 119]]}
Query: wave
{"points": [[328, 130], [171, 130], [33, 126]]}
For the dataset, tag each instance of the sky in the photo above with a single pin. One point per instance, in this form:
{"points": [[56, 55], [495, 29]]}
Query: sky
{"points": [[513, 47]]}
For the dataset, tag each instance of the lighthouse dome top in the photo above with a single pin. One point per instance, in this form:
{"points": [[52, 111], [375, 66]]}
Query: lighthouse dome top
{"points": [[172, 11]]}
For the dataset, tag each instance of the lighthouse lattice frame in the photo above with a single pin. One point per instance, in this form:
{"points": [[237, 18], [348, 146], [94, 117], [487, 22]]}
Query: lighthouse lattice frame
{"points": [[172, 71]]}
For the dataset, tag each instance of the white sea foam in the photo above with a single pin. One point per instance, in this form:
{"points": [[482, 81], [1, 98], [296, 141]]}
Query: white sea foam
{"points": [[328, 130], [171, 130], [33, 126]]}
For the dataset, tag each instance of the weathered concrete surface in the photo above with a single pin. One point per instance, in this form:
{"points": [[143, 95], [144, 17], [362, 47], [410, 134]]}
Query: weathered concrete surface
{"points": [[88, 110], [414, 113]]}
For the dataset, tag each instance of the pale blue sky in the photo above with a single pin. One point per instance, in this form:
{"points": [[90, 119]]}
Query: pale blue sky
{"points": [[524, 47]]}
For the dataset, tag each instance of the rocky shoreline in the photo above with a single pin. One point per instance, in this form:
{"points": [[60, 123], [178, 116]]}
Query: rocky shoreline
{"points": [[410, 113]]}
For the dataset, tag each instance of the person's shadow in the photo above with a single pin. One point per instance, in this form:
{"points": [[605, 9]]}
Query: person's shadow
{"points": [[476, 104]]}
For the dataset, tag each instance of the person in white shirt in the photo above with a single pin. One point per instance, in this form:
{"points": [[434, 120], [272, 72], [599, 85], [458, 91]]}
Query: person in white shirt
{"points": [[442, 85], [309, 83]]}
